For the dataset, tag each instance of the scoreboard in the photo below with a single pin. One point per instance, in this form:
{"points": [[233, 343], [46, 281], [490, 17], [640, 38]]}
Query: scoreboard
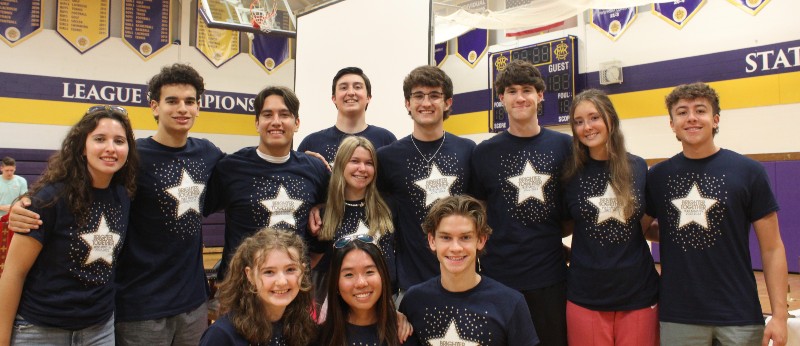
{"points": [[556, 60]]}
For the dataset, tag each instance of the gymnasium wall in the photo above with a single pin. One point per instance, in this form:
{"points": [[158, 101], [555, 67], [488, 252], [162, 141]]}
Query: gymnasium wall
{"points": [[46, 84]]}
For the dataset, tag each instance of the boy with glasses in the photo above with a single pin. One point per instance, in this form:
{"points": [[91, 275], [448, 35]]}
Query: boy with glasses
{"points": [[417, 170]]}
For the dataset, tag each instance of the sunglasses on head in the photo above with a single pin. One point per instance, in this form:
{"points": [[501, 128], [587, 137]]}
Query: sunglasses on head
{"points": [[107, 108], [342, 242]]}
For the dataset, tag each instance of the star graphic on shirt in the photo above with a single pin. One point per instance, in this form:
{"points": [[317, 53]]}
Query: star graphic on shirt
{"points": [[101, 243], [363, 229], [529, 183], [436, 185], [451, 337], [282, 208], [186, 194], [694, 207], [607, 206]]}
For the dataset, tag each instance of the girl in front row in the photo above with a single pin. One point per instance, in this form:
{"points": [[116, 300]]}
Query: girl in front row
{"points": [[266, 297], [67, 265], [360, 306]]}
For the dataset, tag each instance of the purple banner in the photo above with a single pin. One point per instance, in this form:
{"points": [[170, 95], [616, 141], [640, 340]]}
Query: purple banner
{"points": [[146, 26], [19, 20], [678, 12], [613, 22], [440, 52], [270, 51], [472, 46], [750, 6]]}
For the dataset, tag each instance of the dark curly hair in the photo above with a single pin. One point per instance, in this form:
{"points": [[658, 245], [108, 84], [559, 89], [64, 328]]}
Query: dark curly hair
{"points": [[174, 74], [693, 91], [68, 165]]}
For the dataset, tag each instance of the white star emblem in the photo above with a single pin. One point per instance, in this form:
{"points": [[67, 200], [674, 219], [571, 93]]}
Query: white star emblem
{"points": [[186, 194], [363, 229], [282, 208], [694, 207], [451, 337], [101, 243], [607, 206], [529, 183], [436, 185]]}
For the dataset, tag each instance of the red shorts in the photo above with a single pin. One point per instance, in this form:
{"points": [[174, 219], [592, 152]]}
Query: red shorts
{"points": [[599, 328]]}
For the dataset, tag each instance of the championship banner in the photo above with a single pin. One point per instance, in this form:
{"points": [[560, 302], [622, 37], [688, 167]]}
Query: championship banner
{"points": [[678, 12], [270, 51], [19, 20], [472, 46], [146, 26], [613, 22], [83, 23], [217, 45], [750, 6], [440, 52]]}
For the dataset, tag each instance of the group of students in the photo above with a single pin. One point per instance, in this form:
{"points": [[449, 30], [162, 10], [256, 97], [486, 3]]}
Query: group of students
{"points": [[396, 223]]}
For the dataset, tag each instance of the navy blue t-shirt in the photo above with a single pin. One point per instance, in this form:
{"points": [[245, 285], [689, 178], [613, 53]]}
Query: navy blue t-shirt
{"points": [[611, 268], [326, 142], [223, 333], [411, 182], [354, 222], [705, 208], [71, 283], [488, 314], [256, 193], [363, 335], [161, 264], [519, 178]]}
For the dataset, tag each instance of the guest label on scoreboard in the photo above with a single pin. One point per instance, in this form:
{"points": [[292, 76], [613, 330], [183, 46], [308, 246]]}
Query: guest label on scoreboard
{"points": [[556, 60]]}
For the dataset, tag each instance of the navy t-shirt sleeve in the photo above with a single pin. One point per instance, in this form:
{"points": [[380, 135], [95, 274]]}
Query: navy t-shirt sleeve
{"points": [[520, 327], [762, 200]]}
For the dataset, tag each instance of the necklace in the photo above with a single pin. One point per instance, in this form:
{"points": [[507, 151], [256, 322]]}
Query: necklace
{"points": [[354, 204], [444, 136]]}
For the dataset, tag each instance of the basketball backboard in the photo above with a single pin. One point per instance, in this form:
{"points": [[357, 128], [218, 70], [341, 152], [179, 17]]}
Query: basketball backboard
{"points": [[238, 14]]}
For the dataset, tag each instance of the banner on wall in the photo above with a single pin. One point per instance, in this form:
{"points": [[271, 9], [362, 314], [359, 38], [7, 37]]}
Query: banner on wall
{"points": [[217, 45], [83, 23], [19, 20], [750, 6], [270, 51], [472, 46], [440, 52], [146, 26], [613, 22], [677, 13]]}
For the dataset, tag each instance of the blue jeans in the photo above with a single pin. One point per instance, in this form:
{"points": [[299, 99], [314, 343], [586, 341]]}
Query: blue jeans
{"points": [[25, 333]]}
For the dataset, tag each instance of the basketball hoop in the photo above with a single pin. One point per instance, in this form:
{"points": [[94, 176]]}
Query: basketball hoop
{"points": [[262, 16]]}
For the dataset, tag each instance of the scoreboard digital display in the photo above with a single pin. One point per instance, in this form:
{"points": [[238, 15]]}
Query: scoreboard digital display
{"points": [[556, 60]]}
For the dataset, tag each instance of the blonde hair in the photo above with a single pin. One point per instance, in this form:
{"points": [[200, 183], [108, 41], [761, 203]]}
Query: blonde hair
{"points": [[378, 214]]}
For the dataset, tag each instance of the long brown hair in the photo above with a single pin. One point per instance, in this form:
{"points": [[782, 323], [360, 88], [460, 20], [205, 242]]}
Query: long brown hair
{"points": [[69, 166], [378, 215], [334, 329], [618, 163], [239, 297]]}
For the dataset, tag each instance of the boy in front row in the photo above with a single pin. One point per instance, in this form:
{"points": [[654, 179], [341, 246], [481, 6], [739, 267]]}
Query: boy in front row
{"points": [[705, 199], [462, 307]]}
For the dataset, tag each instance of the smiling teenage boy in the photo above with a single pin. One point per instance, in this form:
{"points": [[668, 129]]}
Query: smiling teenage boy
{"points": [[462, 307], [706, 198], [351, 92], [517, 172]]}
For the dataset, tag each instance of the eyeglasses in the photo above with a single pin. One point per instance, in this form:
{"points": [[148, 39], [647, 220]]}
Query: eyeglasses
{"points": [[433, 96], [107, 108], [342, 242]]}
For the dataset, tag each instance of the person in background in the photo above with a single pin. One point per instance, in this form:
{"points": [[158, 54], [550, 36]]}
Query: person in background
{"points": [[266, 297], [11, 186], [612, 283], [67, 265]]}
